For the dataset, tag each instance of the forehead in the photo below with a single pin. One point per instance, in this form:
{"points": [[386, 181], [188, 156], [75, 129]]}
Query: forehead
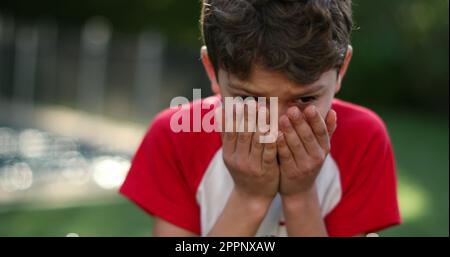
{"points": [[271, 83]]}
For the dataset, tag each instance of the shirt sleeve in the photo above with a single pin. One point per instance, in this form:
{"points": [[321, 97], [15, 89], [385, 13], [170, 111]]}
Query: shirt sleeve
{"points": [[369, 200], [156, 182]]}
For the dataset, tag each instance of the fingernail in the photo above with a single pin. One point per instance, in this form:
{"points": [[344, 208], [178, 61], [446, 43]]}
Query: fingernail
{"points": [[294, 113], [311, 111]]}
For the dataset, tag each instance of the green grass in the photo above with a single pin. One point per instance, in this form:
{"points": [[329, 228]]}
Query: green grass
{"points": [[422, 154], [421, 148], [119, 219]]}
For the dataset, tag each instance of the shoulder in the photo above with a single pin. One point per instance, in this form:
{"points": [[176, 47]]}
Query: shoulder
{"points": [[357, 124], [191, 150], [360, 138], [356, 118]]}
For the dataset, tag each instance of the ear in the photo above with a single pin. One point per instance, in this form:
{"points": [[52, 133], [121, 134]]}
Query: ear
{"points": [[344, 67], [209, 70]]}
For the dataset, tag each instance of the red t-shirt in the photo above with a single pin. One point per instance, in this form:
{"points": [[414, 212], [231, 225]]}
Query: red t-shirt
{"points": [[181, 177]]}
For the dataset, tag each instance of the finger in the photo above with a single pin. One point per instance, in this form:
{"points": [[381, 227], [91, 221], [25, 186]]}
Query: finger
{"points": [[244, 137], [286, 158], [331, 122], [292, 140], [263, 126], [251, 111], [269, 157], [305, 132], [257, 147], [318, 126], [239, 117], [229, 134]]}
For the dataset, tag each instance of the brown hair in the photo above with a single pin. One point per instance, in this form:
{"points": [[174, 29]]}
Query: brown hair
{"points": [[300, 38]]}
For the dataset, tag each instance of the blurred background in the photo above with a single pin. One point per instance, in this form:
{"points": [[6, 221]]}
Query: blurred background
{"points": [[81, 80]]}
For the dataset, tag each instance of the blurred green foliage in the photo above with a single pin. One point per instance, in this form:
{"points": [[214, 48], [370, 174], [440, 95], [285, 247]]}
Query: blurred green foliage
{"points": [[401, 54], [401, 47]]}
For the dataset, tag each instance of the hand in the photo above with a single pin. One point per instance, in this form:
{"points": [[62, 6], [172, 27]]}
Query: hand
{"points": [[303, 146], [252, 165]]}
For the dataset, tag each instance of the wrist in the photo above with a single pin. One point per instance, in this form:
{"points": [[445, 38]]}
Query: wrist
{"points": [[257, 205], [307, 204], [301, 199]]}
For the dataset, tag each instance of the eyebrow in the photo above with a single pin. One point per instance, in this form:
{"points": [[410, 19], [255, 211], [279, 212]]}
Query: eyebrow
{"points": [[312, 90], [241, 87], [308, 91], [235, 85]]}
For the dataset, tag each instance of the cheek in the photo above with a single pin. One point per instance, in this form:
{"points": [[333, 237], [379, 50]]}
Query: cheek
{"points": [[324, 106], [224, 92]]}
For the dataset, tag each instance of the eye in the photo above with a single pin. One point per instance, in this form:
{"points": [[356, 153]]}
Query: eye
{"points": [[248, 97], [306, 99]]}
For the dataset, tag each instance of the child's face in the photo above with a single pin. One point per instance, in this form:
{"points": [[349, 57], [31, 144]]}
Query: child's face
{"points": [[267, 84]]}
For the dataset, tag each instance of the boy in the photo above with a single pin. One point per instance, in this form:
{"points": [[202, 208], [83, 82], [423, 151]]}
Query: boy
{"points": [[317, 179]]}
